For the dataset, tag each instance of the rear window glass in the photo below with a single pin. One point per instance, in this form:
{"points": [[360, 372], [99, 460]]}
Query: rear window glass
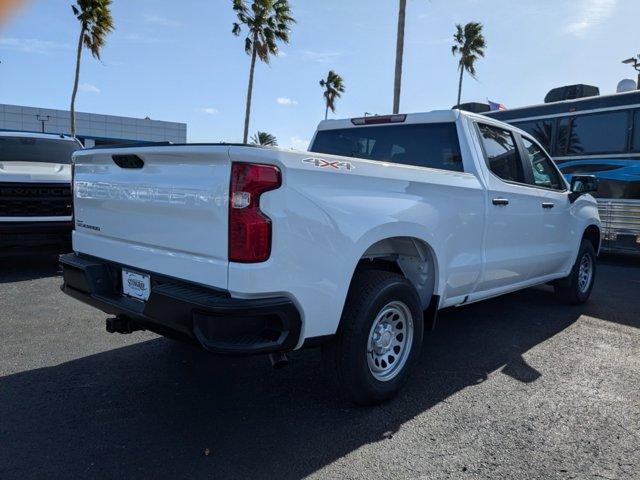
{"points": [[433, 145], [42, 150]]}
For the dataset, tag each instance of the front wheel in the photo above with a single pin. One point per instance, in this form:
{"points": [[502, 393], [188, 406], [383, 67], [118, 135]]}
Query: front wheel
{"points": [[576, 288], [379, 339]]}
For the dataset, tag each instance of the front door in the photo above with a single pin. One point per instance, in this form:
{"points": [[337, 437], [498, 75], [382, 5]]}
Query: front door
{"points": [[556, 241]]}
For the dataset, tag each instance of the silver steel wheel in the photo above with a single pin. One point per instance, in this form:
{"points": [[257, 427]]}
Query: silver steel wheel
{"points": [[390, 341], [585, 273]]}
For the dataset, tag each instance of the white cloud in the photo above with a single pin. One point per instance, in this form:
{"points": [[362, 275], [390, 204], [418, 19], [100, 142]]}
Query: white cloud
{"points": [[286, 101], [435, 41], [89, 88], [31, 45], [298, 143], [208, 110], [320, 57], [162, 21], [590, 14], [138, 38]]}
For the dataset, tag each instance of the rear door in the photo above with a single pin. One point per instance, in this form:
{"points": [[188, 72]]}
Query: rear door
{"points": [[513, 231], [159, 209]]}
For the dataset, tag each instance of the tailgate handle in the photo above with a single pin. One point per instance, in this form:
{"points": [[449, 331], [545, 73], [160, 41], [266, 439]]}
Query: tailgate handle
{"points": [[128, 161]]}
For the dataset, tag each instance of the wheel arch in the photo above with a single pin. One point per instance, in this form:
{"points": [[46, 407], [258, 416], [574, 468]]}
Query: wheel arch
{"points": [[592, 233], [410, 256]]}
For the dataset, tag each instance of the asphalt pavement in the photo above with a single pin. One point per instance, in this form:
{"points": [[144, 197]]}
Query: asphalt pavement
{"points": [[518, 387]]}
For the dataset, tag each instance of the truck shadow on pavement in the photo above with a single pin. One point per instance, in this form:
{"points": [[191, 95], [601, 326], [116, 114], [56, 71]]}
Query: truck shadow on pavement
{"points": [[150, 410], [21, 268]]}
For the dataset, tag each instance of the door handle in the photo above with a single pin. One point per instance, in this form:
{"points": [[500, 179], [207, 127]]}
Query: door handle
{"points": [[500, 201], [548, 205]]}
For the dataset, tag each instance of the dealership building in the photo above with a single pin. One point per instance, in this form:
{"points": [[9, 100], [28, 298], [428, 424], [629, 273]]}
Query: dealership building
{"points": [[91, 128]]}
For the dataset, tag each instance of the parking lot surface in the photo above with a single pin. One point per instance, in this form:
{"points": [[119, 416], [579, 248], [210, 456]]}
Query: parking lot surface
{"points": [[517, 387]]}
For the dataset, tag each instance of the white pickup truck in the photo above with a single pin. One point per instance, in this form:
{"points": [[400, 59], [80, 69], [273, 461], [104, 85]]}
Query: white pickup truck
{"points": [[354, 245], [35, 193]]}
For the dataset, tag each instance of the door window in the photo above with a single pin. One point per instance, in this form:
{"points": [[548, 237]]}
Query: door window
{"points": [[501, 153], [544, 173]]}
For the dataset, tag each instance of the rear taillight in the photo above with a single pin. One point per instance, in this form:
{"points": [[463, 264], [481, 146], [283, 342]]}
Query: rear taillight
{"points": [[249, 228]]}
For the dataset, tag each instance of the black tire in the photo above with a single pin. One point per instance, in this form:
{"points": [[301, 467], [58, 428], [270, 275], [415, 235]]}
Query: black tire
{"points": [[347, 356], [570, 289]]}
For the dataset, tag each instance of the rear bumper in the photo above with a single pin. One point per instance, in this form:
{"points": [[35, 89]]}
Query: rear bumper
{"points": [[17, 238], [187, 311]]}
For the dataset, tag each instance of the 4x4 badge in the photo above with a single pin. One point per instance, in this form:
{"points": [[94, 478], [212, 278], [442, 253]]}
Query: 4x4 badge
{"points": [[322, 163]]}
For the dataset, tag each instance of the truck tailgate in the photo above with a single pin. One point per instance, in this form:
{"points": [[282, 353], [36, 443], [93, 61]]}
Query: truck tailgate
{"points": [[168, 215]]}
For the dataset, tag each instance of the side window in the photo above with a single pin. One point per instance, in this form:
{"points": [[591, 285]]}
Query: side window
{"points": [[593, 133], [636, 132], [544, 173], [501, 152]]}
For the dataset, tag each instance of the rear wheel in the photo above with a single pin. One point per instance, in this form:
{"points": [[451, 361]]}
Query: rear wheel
{"points": [[379, 338], [576, 287]]}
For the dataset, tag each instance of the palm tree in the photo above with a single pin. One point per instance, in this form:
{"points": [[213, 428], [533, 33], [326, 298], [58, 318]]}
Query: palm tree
{"points": [[265, 139], [96, 22], [333, 89], [267, 22], [469, 43], [399, 53]]}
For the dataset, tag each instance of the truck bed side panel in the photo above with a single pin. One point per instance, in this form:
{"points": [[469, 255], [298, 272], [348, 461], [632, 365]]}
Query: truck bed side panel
{"points": [[325, 218]]}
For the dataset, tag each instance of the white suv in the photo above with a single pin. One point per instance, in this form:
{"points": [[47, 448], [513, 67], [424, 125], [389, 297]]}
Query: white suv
{"points": [[35, 192]]}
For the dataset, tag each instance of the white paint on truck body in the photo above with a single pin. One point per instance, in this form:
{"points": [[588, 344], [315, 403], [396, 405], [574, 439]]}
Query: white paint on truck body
{"points": [[171, 217]]}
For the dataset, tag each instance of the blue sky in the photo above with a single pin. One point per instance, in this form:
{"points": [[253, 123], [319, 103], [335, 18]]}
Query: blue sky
{"points": [[178, 61]]}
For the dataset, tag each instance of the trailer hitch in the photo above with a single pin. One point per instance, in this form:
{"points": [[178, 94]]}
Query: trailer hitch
{"points": [[121, 324]]}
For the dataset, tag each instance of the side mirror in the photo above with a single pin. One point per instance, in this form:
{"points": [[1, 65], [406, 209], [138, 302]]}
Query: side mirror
{"points": [[581, 184]]}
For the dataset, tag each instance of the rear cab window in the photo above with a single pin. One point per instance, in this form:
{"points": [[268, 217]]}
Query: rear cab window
{"points": [[39, 150], [432, 145]]}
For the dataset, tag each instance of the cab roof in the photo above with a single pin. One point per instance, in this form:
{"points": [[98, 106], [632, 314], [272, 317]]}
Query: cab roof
{"points": [[436, 116], [50, 136]]}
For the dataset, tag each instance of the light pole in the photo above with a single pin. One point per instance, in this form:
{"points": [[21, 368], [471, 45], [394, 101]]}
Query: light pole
{"points": [[635, 63], [42, 119]]}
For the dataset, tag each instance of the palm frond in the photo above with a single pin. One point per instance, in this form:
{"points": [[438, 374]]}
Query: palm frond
{"points": [[333, 87], [470, 44], [267, 23], [265, 139], [97, 23]]}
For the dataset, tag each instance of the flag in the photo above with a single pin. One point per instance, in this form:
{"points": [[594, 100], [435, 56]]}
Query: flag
{"points": [[496, 106]]}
